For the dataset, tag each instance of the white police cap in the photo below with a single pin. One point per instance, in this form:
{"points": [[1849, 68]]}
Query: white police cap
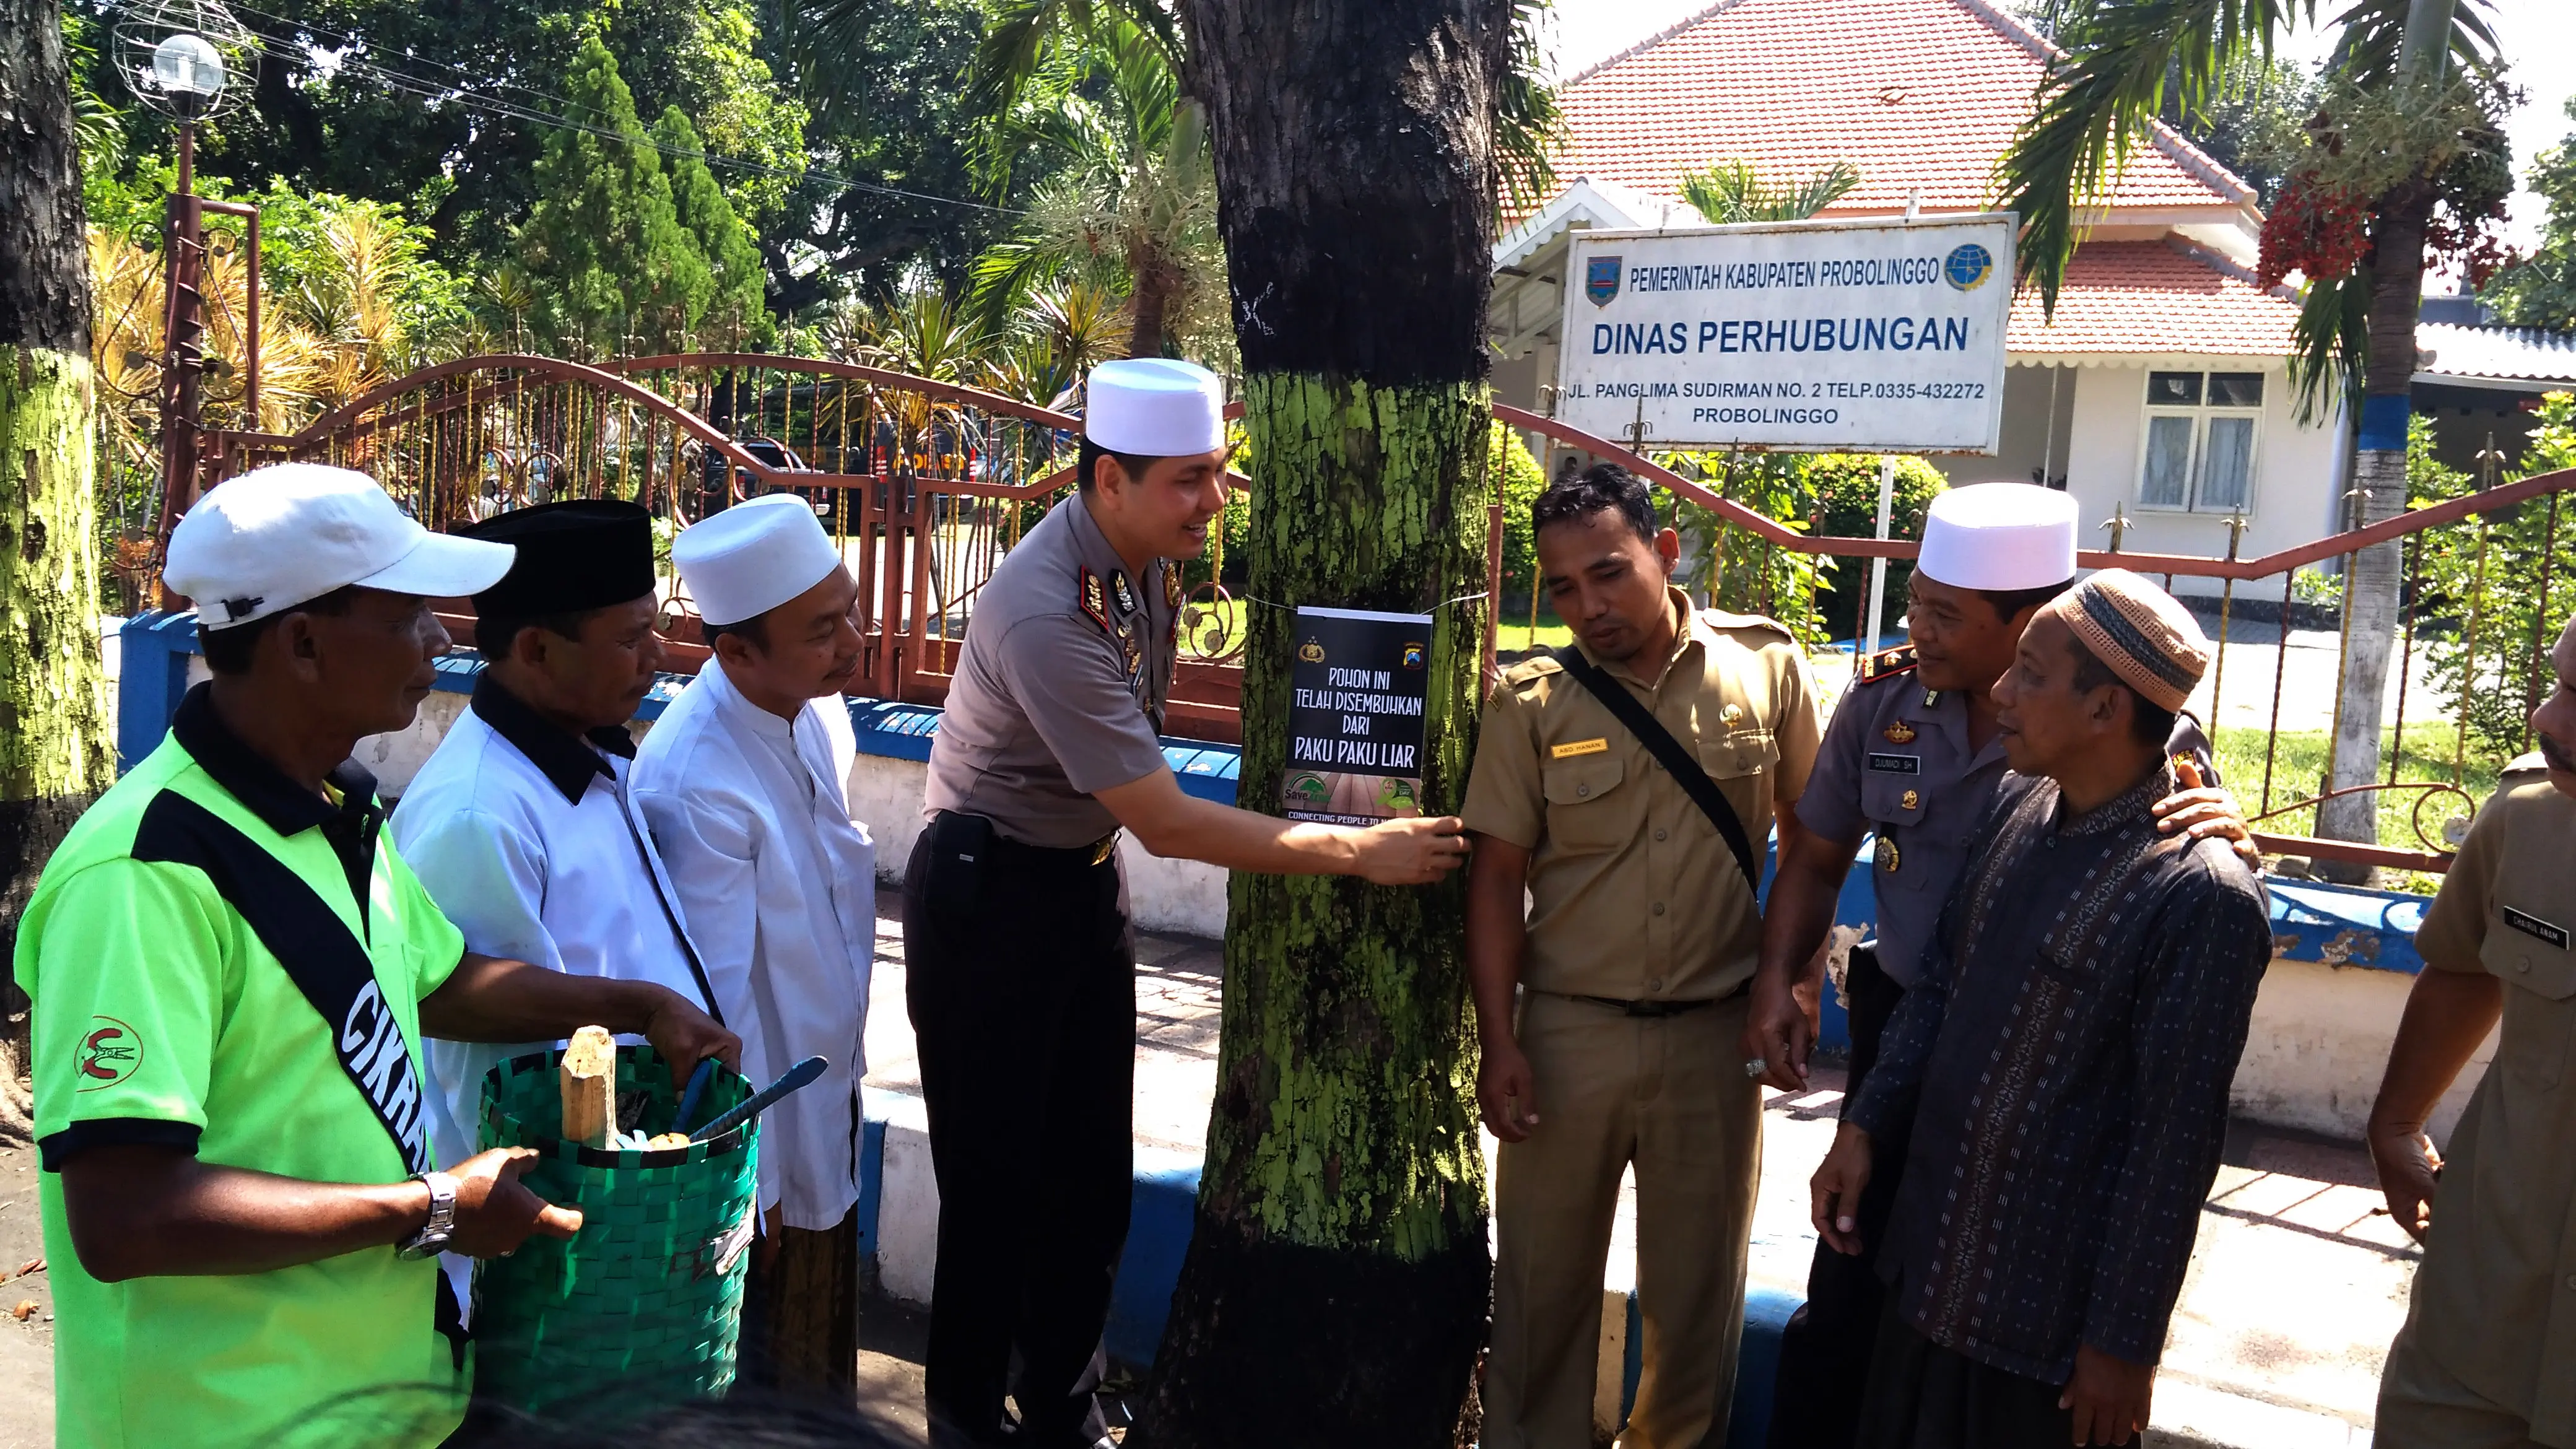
{"points": [[1154, 407], [2000, 536]]}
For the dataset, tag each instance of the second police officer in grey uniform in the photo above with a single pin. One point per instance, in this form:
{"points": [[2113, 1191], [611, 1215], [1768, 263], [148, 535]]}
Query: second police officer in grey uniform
{"points": [[1911, 757], [1019, 961]]}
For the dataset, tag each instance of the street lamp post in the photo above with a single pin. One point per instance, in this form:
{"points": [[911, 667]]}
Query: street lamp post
{"points": [[188, 72]]}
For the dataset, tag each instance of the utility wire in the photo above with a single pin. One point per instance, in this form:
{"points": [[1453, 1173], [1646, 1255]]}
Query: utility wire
{"points": [[469, 98]]}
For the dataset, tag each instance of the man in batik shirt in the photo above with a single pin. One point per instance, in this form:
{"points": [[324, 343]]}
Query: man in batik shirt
{"points": [[2066, 1058]]}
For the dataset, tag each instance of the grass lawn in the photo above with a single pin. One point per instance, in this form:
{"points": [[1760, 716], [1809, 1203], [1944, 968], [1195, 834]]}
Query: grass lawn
{"points": [[2298, 772]]}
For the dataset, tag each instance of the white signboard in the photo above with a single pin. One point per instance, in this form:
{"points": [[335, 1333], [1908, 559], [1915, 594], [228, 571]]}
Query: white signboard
{"points": [[1861, 337]]}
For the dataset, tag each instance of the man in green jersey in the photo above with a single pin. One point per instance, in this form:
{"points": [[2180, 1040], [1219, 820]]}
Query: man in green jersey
{"points": [[231, 976]]}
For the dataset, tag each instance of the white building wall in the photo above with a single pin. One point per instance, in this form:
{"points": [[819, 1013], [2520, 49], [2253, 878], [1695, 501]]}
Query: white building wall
{"points": [[2298, 471]]}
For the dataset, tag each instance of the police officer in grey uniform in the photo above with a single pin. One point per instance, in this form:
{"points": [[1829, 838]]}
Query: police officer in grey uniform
{"points": [[1019, 960], [1912, 757]]}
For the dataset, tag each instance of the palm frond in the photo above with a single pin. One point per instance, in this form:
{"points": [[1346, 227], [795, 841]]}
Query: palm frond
{"points": [[2125, 59], [2330, 345], [1731, 191], [1529, 127], [2374, 39]]}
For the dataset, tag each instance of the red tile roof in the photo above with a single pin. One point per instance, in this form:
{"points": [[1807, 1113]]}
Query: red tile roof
{"points": [[2154, 298], [1915, 93]]}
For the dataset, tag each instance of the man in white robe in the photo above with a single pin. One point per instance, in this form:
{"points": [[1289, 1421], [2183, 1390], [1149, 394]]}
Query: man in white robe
{"points": [[519, 825], [740, 783]]}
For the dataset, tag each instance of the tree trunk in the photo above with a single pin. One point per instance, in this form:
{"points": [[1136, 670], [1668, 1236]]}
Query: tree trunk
{"points": [[2374, 583], [1336, 1286], [55, 749], [1149, 300]]}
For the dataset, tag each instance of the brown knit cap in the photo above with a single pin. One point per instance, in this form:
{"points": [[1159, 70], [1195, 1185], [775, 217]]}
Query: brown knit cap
{"points": [[2151, 642]]}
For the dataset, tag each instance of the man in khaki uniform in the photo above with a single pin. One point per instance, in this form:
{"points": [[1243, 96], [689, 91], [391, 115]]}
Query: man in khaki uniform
{"points": [[1630, 968], [2487, 1359]]}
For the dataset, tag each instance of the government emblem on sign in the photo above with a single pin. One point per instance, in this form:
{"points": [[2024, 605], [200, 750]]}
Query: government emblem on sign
{"points": [[1414, 655], [1601, 280], [1311, 652], [1968, 266]]}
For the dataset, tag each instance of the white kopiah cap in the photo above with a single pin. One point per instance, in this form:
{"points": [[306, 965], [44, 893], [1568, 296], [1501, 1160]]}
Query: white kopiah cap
{"points": [[287, 534], [753, 557], [1154, 407], [1999, 536]]}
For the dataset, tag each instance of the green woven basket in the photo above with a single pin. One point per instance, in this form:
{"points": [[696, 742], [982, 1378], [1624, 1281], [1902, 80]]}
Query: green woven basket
{"points": [[641, 1308]]}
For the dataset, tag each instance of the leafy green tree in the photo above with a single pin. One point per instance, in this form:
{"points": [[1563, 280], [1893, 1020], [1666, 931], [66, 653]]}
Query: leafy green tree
{"points": [[1132, 205], [737, 313], [2540, 290], [2480, 587], [604, 243], [2405, 159]]}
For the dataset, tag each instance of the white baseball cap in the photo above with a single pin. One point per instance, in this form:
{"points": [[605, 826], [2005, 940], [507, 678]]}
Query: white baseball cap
{"points": [[287, 534], [751, 558], [1999, 536], [1154, 407]]}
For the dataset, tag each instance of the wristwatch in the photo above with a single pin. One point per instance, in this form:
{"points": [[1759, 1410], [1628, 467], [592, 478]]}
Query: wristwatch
{"points": [[434, 1234]]}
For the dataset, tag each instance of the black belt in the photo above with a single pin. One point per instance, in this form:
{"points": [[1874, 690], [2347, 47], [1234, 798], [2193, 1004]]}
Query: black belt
{"points": [[1657, 1008], [1053, 857]]}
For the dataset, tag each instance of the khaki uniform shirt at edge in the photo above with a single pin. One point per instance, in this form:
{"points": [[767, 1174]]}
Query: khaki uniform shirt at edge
{"points": [[1634, 893], [2495, 1302]]}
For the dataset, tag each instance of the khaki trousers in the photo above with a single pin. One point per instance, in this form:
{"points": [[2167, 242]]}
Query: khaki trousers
{"points": [[1667, 1095], [2422, 1406]]}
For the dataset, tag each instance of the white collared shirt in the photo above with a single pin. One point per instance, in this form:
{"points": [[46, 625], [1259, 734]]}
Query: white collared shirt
{"points": [[777, 885]]}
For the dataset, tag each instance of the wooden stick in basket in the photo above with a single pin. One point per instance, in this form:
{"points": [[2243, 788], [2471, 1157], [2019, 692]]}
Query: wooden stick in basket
{"points": [[589, 1080]]}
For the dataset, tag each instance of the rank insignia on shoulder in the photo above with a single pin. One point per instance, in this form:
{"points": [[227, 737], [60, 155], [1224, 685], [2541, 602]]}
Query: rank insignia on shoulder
{"points": [[1126, 598], [1898, 732], [1931, 699], [1095, 597], [1171, 584], [1886, 662]]}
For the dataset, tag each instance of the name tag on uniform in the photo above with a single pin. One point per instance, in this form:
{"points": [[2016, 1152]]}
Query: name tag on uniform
{"points": [[2531, 925], [1578, 747], [1897, 764]]}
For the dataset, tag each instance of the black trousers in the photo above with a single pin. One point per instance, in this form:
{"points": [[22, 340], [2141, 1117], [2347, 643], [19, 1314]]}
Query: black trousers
{"points": [[1924, 1396], [1825, 1350], [1024, 1011]]}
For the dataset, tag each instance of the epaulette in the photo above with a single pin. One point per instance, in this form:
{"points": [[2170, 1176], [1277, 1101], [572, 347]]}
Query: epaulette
{"points": [[1093, 597], [1720, 619], [1885, 664], [2534, 763], [1531, 669]]}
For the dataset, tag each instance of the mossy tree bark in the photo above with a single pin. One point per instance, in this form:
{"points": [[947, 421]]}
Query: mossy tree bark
{"points": [[55, 749], [1336, 1286]]}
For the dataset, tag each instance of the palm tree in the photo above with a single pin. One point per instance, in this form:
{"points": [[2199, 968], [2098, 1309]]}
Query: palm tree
{"points": [[1727, 192], [1131, 205], [2403, 153]]}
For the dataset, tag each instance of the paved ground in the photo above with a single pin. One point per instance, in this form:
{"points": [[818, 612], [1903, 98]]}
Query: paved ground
{"points": [[2298, 1284]]}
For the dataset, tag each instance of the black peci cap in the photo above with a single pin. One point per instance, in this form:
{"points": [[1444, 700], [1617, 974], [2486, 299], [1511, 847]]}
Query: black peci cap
{"points": [[584, 553]]}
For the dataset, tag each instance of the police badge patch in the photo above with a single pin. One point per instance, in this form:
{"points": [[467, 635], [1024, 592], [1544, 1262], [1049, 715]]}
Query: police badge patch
{"points": [[1094, 598]]}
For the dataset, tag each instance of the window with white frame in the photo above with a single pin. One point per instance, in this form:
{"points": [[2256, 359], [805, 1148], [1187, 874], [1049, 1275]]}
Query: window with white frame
{"points": [[2201, 432]]}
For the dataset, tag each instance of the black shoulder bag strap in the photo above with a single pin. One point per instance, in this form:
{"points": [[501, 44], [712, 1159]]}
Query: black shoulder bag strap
{"points": [[1677, 761]]}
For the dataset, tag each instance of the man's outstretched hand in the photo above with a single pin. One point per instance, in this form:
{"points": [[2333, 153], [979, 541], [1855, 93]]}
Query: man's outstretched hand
{"points": [[1412, 852]]}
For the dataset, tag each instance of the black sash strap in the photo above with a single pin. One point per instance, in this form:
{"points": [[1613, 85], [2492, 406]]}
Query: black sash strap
{"points": [[325, 961], [1677, 761]]}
